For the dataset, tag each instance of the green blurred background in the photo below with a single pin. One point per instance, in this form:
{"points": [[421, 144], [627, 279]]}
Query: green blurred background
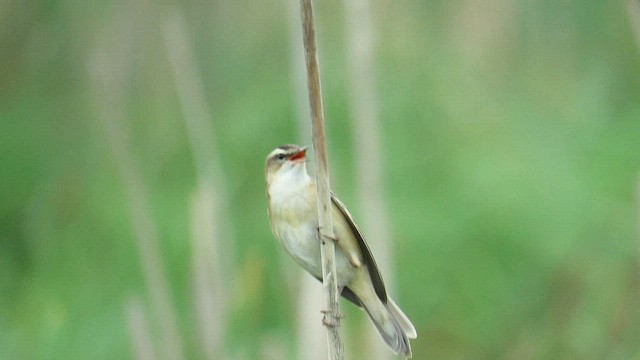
{"points": [[511, 135]]}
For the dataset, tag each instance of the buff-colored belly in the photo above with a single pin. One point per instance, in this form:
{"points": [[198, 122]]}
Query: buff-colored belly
{"points": [[302, 244]]}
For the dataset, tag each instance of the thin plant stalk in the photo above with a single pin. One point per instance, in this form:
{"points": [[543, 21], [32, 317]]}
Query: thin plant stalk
{"points": [[332, 314]]}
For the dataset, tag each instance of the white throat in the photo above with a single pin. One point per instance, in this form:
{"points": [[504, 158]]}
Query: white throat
{"points": [[289, 186]]}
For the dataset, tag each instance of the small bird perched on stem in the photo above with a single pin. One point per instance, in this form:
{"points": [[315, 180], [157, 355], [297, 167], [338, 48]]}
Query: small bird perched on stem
{"points": [[291, 194]]}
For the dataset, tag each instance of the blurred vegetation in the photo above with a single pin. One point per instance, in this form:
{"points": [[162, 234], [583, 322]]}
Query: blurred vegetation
{"points": [[512, 152]]}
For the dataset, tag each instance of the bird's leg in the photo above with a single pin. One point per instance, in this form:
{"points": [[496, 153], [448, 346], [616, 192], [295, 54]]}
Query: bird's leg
{"points": [[320, 235], [329, 318]]}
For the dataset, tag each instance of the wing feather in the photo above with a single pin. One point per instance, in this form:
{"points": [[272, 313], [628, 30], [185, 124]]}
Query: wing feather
{"points": [[374, 273]]}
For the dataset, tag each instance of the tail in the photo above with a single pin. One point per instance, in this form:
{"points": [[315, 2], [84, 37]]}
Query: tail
{"points": [[393, 325]]}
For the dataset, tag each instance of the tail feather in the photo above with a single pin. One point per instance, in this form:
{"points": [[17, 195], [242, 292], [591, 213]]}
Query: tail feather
{"points": [[402, 319], [394, 327]]}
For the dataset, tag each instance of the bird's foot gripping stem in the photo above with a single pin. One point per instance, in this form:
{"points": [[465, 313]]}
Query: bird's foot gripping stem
{"points": [[330, 319], [322, 236]]}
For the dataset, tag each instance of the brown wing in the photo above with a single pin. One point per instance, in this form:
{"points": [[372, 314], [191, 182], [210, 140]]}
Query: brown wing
{"points": [[374, 273]]}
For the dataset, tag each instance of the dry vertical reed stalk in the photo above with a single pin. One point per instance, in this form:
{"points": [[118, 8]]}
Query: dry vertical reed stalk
{"points": [[331, 296]]}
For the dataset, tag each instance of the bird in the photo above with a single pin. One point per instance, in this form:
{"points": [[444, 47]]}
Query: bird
{"points": [[293, 216]]}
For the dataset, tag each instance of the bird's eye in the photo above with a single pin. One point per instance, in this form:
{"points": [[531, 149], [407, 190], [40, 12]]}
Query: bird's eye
{"points": [[281, 156]]}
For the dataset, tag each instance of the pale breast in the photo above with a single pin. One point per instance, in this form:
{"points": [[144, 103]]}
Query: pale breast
{"points": [[293, 213], [302, 244]]}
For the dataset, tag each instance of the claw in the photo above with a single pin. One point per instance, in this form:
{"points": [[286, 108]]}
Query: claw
{"points": [[329, 319], [320, 235]]}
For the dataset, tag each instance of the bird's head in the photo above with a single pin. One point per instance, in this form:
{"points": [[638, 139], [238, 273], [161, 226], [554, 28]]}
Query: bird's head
{"points": [[285, 160]]}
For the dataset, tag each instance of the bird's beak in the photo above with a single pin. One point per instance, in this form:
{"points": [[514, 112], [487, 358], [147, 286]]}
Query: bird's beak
{"points": [[299, 155]]}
